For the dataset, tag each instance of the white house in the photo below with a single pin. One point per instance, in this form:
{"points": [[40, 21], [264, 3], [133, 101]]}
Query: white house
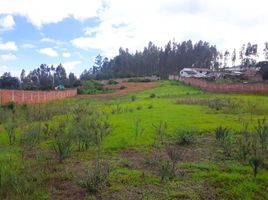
{"points": [[194, 72]]}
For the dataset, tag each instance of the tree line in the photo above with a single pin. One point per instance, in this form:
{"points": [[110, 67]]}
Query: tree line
{"points": [[152, 60], [42, 78]]}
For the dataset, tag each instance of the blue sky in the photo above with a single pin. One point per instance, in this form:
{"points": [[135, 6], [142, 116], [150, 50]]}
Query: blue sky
{"points": [[73, 32]]}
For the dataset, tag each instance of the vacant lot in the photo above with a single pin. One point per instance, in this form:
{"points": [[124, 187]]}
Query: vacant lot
{"points": [[170, 141]]}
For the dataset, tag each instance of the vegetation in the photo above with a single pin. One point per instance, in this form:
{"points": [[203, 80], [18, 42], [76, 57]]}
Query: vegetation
{"points": [[190, 145]]}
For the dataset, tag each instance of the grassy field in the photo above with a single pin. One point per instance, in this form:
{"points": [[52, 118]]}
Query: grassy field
{"points": [[155, 144]]}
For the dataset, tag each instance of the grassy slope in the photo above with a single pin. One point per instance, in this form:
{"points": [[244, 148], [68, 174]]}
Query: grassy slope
{"points": [[230, 180], [177, 116]]}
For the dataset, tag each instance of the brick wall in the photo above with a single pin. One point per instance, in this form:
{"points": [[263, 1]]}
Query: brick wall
{"points": [[29, 97], [261, 88]]}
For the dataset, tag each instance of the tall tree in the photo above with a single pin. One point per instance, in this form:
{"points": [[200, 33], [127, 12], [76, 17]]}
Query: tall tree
{"points": [[233, 57]]}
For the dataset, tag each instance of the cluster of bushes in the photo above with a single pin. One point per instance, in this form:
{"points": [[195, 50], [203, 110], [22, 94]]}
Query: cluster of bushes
{"points": [[248, 146], [135, 80], [92, 87]]}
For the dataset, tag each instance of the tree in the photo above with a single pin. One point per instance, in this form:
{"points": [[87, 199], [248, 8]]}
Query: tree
{"points": [[265, 50], [233, 57], [226, 55], [9, 82]]}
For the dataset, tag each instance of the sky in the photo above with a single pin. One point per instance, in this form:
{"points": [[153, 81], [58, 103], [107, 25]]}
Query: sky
{"points": [[74, 32]]}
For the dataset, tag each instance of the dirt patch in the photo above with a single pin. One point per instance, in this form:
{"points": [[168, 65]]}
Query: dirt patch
{"points": [[66, 190], [201, 150], [130, 87]]}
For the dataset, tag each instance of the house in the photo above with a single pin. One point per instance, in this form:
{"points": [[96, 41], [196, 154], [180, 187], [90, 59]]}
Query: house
{"points": [[194, 72]]}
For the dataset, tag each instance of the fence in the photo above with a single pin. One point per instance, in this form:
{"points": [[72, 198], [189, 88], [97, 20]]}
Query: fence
{"points": [[261, 88], [31, 97]]}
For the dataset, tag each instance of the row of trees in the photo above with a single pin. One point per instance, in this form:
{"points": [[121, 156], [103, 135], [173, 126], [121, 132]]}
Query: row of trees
{"points": [[43, 78], [173, 57]]}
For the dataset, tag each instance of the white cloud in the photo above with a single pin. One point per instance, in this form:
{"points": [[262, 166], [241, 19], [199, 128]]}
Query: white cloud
{"points": [[37, 11], [28, 46], [8, 56], [8, 46], [50, 40], [49, 52], [66, 54], [7, 23], [69, 66], [132, 24]]}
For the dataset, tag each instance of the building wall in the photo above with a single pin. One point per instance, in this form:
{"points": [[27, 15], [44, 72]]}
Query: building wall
{"points": [[261, 88], [31, 97]]}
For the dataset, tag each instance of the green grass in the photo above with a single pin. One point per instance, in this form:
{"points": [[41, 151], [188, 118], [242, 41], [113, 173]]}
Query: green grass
{"points": [[182, 107]]}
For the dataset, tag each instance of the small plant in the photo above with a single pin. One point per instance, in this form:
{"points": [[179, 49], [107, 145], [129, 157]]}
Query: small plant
{"points": [[262, 132], [166, 171], [96, 178], [173, 156], [184, 138], [10, 128], [255, 163], [123, 87], [244, 143], [133, 98], [138, 130], [62, 147], [150, 106], [152, 96], [160, 131], [112, 82], [224, 136], [139, 107], [31, 136]]}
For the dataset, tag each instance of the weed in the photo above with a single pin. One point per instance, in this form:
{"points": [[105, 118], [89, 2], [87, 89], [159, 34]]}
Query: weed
{"points": [[262, 132], [133, 98], [152, 96], [150, 106], [184, 137], [138, 130], [160, 131]]}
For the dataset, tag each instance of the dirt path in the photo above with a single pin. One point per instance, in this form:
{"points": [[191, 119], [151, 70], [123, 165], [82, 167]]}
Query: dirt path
{"points": [[131, 87]]}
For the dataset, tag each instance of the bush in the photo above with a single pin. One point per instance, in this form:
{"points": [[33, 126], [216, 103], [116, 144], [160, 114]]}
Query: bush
{"points": [[112, 82], [96, 178], [152, 96], [92, 87], [262, 132], [10, 128], [135, 80], [166, 171], [184, 138], [139, 107], [133, 98], [225, 137], [123, 87], [151, 106], [160, 131]]}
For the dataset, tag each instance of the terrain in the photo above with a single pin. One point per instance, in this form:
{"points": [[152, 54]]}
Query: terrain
{"points": [[159, 140]]}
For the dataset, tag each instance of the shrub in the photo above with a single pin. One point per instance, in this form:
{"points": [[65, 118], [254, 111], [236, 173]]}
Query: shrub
{"points": [[160, 131], [144, 80], [224, 136], [166, 171], [152, 96], [133, 98], [96, 178], [10, 128], [262, 132], [184, 138], [138, 130], [123, 87], [31, 135], [150, 106], [62, 141], [139, 107], [112, 82], [255, 163]]}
